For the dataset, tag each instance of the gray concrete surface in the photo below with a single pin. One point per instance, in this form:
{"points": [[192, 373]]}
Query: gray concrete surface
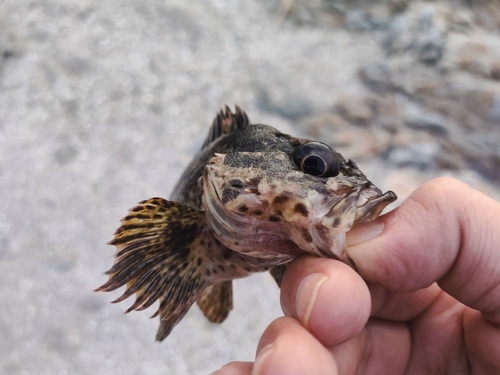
{"points": [[102, 104]]}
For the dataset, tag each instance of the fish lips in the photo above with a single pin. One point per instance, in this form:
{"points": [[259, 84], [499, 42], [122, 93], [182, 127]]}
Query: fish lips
{"points": [[356, 207], [374, 206]]}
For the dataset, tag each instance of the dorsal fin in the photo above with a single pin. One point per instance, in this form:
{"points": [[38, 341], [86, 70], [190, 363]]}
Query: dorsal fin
{"points": [[225, 122]]}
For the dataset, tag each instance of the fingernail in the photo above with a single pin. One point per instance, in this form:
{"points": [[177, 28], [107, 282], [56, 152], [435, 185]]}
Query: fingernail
{"points": [[261, 358], [364, 232], [306, 295]]}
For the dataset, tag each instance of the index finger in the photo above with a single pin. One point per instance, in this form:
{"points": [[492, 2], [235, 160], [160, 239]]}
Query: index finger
{"points": [[445, 232]]}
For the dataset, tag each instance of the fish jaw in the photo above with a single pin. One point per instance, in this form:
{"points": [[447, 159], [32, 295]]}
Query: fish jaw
{"points": [[263, 216]]}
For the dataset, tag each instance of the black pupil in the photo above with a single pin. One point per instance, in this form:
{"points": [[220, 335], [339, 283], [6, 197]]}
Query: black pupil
{"points": [[314, 165]]}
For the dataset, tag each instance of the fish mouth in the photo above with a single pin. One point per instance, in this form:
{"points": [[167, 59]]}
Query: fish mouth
{"points": [[358, 206], [374, 206]]}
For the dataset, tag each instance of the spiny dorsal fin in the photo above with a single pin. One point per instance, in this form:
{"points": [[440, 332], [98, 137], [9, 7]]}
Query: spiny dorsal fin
{"points": [[225, 122], [216, 301], [156, 258]]}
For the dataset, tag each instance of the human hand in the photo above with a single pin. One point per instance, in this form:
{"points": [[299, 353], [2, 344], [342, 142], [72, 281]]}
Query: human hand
{"points": [[430, 302]]}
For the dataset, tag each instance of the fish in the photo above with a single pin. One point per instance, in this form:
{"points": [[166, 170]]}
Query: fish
{"points": [[252, 200]]}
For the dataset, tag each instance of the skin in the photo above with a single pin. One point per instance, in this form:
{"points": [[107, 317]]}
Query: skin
{"points": [[426, 299]]}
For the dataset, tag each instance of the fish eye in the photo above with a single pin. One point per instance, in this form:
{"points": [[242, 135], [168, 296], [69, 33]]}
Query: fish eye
{"points": [[317, 159]]}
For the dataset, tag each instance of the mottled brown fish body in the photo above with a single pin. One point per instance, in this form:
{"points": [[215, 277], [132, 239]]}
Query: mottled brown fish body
{"points": [[252, 200]]}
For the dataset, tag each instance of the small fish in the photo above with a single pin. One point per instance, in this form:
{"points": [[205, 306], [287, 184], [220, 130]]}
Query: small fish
{"points": [[252, 200]]}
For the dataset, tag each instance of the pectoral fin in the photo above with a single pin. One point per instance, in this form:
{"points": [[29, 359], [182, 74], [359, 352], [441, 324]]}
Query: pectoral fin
{"points": [[157, 260], [216, 301], [167, 323]]}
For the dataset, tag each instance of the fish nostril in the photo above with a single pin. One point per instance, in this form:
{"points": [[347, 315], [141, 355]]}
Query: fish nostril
{"points": [[237, 184]]}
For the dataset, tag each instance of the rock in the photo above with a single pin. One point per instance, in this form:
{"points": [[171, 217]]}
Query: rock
{"points": [[397, 6], [430, 36], [421, 155], [420, 31], [377, 74], [398, 37], [290, 104], [462, 96], [356, 108], [461, 20], [367, 18], [358, 143], [402, 74], [487, 13], [310, 13], [478, 54], [432, 123], [356, 20], [449, 80]]}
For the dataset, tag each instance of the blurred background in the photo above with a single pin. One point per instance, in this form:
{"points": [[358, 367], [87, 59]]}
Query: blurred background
{"points": [[103, 103]]}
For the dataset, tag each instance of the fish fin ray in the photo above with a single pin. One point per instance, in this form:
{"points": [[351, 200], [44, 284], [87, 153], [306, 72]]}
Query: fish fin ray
{"points": [[167, 323], [216, 301], [225, 122], [157, 258]]}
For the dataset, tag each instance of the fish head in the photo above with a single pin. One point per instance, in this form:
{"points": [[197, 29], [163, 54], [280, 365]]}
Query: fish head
{"points": [[285, 202]]}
